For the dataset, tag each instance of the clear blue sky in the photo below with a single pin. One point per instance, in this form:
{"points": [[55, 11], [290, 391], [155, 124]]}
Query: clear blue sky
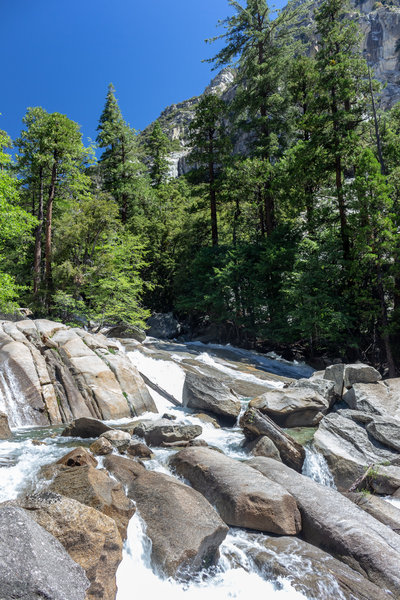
{"points": [[62, 54]]}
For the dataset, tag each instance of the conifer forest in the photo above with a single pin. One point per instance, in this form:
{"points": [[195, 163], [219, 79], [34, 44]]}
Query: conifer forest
{"points": [[283, 232]]}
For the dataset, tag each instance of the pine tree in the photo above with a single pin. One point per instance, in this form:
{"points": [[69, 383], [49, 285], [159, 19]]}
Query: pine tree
{"points": [[209, 143], [158, 147], [119, 163]]}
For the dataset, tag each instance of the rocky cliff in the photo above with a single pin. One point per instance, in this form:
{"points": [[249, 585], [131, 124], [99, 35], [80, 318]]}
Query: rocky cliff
{"points": [[380, 24]]}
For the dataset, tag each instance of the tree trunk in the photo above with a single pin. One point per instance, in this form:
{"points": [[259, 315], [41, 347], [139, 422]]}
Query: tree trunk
{"points": [[213, 198], [38, 239], [49, 218], [342, 209]]}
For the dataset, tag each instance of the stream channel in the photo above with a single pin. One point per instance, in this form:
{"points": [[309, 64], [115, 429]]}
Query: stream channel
{"points": [[235, 576]]}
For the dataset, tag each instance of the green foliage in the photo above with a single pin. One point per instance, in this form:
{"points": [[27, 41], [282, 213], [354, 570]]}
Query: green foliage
{"points": [[158, 147]]}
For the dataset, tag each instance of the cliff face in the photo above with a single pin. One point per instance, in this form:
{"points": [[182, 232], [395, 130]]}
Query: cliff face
{"points": [[380, 24]]}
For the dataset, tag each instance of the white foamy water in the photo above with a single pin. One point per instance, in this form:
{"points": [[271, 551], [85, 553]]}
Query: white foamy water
{"points": [[224, 583], [12, 401], [315, 467], [165, 373]]}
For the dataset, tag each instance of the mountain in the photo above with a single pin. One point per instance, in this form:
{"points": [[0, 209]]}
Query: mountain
{"points": [[380, 24]]}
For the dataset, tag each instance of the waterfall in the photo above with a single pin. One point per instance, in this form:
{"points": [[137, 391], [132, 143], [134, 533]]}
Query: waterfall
{"points": [[315, 467], [12, 400]]}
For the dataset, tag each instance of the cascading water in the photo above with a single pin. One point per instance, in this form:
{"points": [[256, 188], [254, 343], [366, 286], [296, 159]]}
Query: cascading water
{"points": [[12, 400], [236, 575], [315, 467]]}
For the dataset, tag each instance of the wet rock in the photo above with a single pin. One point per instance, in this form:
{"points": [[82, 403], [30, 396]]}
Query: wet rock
{"points": [[184, 528], [348, 449], [207, 419], [34, 565], [157, 432], [77, 458], [101, 447], [311, 571], [5, 431], [123, 469], [262, 446], [381, 510], [292, 406], [206, 393], [169, 417], [139, 450], [241, 499], [255, 424], [94, 488], [85, 428], [118, 439], [335, 524], [91, 538]]}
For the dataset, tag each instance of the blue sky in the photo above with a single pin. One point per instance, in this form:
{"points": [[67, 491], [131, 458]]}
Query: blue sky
{"points": [[61, 55]]}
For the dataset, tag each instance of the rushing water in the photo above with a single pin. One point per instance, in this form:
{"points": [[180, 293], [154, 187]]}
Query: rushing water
{"points": [[235, 576]]}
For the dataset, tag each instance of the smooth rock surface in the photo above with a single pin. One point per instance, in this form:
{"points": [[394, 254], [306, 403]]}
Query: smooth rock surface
{"points": [[33, 564], [184, 528], [94, 488], [348, 449], [91, 538], [85, 427], [77, 458], [335, 524], [359, 373], [119, 439], [322, 386], [292, 406], [382, 398], [381, 510], [241, 499], [158, 432], [209, 394], [262, 446], [255, 424], [101, 447], [313, 572]]}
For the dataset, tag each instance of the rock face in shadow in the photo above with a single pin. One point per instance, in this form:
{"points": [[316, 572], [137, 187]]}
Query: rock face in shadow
{"points": [[255, 424], [241, 498], [313, 572], [209, 394], [185, 530], [54, 374], [34, 565], [91, 538], [336, 525]]}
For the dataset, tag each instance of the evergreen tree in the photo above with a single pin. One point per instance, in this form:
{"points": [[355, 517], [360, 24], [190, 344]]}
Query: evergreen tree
{"points": [[119, 163], [210, 144], [158, 147]]}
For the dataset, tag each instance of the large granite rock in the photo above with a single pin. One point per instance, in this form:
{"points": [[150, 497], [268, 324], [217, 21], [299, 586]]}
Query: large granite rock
{"points": [[322, 386], [33, 564], [382, 510], [53, 374], [241, 499], [335, 524], [255, 424], [165, 431], [348, 449], [311, 571], [382, 398], [184, 528], [91, 538], [292, 406], [94, 488], [125, 470], [163, 326], [85, 427], [209, 394]]}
